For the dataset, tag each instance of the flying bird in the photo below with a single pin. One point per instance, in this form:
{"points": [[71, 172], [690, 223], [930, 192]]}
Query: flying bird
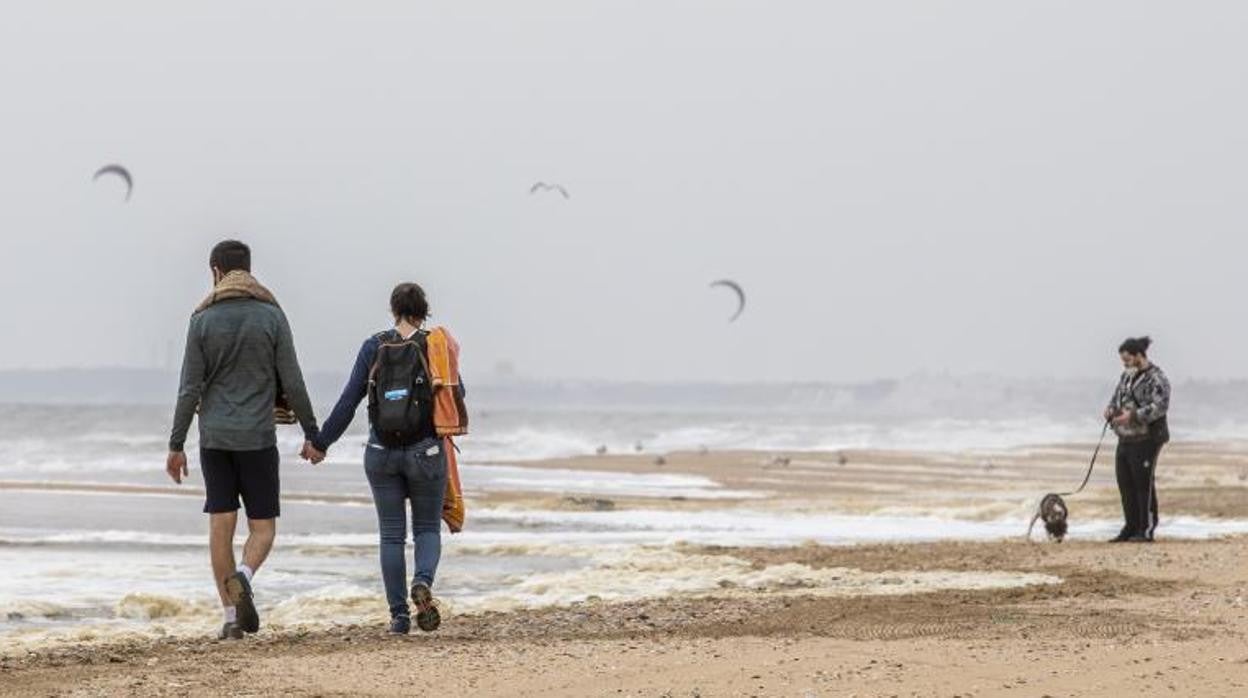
{"points": [[542, 186], [119, 171], [736, 288]]}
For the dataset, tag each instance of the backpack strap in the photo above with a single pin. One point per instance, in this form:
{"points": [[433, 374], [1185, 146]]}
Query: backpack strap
{"points": [[383, 337], [388, 336], [392, 336], [424, 363]]}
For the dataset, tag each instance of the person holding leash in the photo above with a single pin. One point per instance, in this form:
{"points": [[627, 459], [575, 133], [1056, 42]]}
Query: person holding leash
{"points": [[1137, 412]]}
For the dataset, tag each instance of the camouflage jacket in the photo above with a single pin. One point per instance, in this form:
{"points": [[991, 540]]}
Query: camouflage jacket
{"points": [[1147, 394]]}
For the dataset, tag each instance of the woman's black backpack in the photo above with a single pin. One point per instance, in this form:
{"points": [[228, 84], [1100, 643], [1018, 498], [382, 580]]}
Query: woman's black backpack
{"points": [[400, 394]]}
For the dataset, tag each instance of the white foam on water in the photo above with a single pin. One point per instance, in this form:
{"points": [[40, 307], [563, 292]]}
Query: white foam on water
{"points": [[528, 443], [644, 572], [335, 603], [616, 574], [758, 527]]}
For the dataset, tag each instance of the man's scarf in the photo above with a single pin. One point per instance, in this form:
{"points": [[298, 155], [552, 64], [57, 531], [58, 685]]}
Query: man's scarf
{"points": [[241, 284]]}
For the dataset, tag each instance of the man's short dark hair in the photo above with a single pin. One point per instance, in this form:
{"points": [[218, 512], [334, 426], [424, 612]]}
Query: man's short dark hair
{"points": [[1136, 346], [408, 301], [230, 255]]}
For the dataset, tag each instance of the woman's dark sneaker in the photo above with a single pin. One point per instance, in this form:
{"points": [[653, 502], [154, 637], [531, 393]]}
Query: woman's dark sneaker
{"points": [[400, 625], [230, 631], [427, 617], [238, 589]]}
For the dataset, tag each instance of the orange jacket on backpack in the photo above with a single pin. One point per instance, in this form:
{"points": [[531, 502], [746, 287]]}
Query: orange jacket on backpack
{"points": [[450, 417]]}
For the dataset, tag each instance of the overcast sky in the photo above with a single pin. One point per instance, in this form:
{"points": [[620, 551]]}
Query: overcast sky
{"points": [[1000, 187]]}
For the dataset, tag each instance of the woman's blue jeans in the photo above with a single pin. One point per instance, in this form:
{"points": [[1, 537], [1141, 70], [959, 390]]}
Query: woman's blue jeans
{"points": [[417, 474]]}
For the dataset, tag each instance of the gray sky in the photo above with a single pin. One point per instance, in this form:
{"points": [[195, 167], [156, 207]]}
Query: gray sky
{"points": [[901, 186]]}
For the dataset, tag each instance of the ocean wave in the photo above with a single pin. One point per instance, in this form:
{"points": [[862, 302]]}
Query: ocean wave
{"points": [[506, 531], [148, 607], [542, 436], [619, 484], [86, 487], [28, 609], [43, 537]]}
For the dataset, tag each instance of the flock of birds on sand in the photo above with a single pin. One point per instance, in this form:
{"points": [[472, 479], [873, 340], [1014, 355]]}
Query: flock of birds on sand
{"points": [[119, 171]]}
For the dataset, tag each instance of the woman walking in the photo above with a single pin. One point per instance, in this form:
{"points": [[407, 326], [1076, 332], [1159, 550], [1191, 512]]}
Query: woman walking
{"points": [[406, 459]]}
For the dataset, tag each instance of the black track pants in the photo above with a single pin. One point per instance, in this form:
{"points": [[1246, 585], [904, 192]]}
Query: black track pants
{"points": [[1136, 462]]}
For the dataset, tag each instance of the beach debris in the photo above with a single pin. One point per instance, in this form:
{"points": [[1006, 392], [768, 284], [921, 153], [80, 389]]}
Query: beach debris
{"points": [[118, 171], [842, 459], [703, 450], [601, 450], [660, 460], [591, 503], [543, 186], [736, 288], [1243, 475], [782, 461]]}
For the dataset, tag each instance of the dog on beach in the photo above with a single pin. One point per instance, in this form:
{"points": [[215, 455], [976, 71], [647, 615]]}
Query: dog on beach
{"points": [[1053, 512]]}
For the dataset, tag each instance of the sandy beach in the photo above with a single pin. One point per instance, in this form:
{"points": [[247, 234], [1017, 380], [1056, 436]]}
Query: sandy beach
{"points": [[1167, 619], [954, 618]]}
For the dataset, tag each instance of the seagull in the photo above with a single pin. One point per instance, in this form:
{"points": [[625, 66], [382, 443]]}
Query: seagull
{"points": [[119, 171], [542, 186]]}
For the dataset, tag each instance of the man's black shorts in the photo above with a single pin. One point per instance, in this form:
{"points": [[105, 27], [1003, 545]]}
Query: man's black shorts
{"points": [[250, 474]]}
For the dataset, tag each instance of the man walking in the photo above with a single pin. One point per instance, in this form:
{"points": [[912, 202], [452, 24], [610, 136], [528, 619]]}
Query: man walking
{"points": [[240, 362], [1137, 411]]}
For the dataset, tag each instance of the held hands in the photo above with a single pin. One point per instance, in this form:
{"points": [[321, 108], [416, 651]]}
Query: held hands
{"points": [[309, 453], [175, 465], [1124, 418]]}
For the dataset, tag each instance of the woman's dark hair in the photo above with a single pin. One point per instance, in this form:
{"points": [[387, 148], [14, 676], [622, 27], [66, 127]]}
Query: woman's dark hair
{"points": [[1135, 345], [408, 301], [230, 255]]}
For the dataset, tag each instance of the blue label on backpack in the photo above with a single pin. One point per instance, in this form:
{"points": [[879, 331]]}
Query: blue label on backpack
{"points": [[399, 394]]}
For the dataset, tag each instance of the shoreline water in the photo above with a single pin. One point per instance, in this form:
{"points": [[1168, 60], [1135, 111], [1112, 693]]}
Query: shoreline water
{"points": [[557, 532]]}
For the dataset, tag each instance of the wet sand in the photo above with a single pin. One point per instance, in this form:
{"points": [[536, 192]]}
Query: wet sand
{"points": [[1164, 619]]}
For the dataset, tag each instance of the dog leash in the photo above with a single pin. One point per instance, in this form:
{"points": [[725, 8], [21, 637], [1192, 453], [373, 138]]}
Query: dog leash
{"points": [[1092, 464], [1086, 477]]}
